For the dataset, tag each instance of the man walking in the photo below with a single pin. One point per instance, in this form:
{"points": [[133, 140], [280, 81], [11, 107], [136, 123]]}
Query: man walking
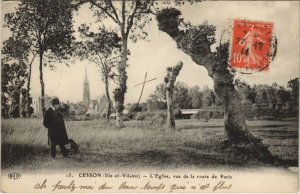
{"points": [[57, 133]]}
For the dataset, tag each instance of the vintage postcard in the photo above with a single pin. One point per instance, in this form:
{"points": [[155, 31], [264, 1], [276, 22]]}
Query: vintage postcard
{"points": [[149, 96]]}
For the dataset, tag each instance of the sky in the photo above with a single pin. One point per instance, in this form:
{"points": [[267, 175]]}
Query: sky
{"points": [[160, 51]]}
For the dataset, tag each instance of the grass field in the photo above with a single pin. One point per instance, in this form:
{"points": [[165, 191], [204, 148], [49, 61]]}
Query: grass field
{"points": [[141, 145]]}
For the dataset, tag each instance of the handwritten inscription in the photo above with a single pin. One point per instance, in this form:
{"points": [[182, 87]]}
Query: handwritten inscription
{"points": [[72, 186], [59, 186], [148, 186]]}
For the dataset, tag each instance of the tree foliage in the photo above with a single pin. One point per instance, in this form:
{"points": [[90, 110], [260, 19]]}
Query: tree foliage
{"points": [[15, 48], [196, 97], [293, 85], [181, 98], [18, 49], [13, 78], [103, 49], [46, 27]]}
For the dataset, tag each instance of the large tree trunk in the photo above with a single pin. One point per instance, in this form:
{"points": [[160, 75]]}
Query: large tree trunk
{"points": [[108, 111], [198, 47], [234, 121], [119, 92], [217, 67], [172, 73], [42, 84], [193, 41]]}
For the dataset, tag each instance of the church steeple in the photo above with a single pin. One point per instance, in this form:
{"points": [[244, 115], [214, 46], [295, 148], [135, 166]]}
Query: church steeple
{"points": [[86, 90], [85, 76]]}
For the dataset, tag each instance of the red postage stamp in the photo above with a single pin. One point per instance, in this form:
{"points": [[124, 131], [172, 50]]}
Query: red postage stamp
{"points": [[251, 45]]}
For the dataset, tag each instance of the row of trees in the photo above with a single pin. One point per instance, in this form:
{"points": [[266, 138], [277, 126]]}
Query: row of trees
{"points": [[186, 97], [273, 94]]}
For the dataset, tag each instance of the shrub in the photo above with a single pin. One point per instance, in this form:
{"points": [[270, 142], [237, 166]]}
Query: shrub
{"points": [[148, 116], [158, 119], [217, 115], [208, 114], [140, 116], [153, 120]]}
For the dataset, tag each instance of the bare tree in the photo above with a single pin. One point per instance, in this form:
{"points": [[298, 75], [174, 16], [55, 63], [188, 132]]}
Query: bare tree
{"points": [[172, 73]]}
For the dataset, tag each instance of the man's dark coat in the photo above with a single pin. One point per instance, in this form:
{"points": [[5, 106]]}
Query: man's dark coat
{"points": [[57, 133]]}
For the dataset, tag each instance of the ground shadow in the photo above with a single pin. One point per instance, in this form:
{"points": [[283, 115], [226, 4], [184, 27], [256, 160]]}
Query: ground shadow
{"points": [[13, 154]]}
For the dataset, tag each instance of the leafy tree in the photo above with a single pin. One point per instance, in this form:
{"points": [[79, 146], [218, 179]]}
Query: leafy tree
{"points": [[4, 89], [209, 98], [157, 100], [247, 93], [17, 48], [13, 79], [181, 98], [282, 95], [47, 26], [103, 105], [153, 103], [261, 96], [293, 85], [134, 107], [196, 41], [265, 94], [103, 49], [196, 97], [160, 92]]}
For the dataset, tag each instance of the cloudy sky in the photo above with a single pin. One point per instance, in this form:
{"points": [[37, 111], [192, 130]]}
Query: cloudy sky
{"points": [[160, 51]]}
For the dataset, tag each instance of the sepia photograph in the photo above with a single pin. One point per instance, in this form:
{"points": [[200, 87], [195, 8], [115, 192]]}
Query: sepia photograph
{"points": [[149, 96]]}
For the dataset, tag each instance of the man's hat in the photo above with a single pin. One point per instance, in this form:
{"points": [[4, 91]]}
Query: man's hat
{"points": [[55, 101]]}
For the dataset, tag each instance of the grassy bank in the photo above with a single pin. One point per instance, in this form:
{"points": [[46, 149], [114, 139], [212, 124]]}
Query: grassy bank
{"points": [[24, 144]]}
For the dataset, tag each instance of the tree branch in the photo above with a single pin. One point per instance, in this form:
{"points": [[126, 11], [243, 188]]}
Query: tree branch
{"points": [[102, 64], [123, 12], [122, 25], [131, 17], [105, 10], [114, 11]]}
